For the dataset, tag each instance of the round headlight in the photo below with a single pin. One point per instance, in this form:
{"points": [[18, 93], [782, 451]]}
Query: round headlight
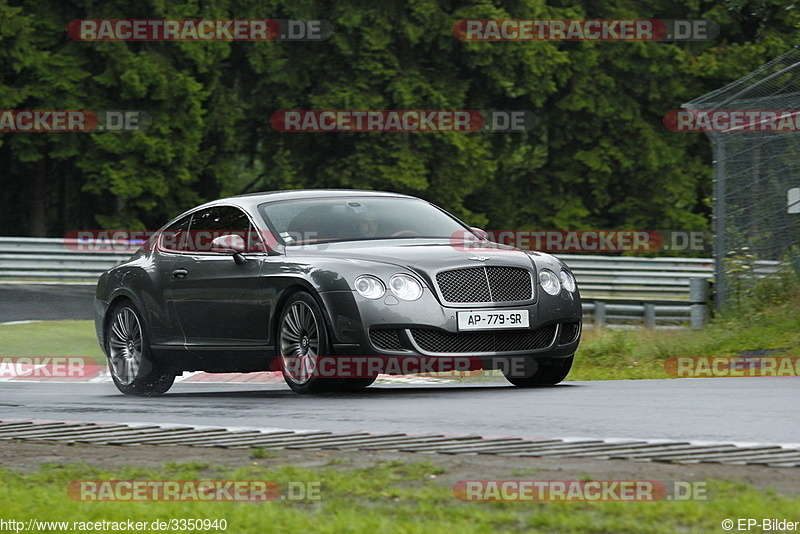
{"points": [[549, 282], [369, 287], [405, 287], [567, 280]]}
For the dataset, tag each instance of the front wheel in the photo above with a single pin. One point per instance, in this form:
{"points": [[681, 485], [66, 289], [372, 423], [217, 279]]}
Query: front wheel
{"points": [[355, 384], [130, 361], [302, 341], [549, 372]]}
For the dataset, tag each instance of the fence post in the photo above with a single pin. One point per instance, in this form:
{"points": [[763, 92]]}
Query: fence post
{"points": [[599, 314], [718, 218], [698, 296], [650, 316]]}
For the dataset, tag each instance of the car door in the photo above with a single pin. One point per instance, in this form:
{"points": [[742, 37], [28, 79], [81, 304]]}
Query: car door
{"points": [[163, 319], [216, 298]]}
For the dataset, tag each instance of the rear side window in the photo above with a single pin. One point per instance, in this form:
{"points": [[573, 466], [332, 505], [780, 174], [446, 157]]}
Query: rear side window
{"points": [[217, 221], [175, 237]]}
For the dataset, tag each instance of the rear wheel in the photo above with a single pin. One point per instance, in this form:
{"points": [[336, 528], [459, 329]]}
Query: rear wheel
{"points": [[130, 361], [549, 372]]}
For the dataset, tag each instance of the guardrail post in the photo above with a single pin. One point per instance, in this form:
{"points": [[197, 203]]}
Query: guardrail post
{"points": [[650, 316], [599, 314], [698, 296]]}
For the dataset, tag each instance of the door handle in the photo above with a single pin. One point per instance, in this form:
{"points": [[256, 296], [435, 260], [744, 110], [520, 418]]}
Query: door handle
{"points": [[179, 273]]}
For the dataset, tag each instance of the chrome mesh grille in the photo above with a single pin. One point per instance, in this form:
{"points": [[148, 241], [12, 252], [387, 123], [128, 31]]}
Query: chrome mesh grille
{"points": [[433, 341], [485, 284], [464, 285], [509, 284]]}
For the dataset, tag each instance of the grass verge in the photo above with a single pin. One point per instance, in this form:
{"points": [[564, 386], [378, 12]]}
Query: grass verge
{"points": [[638, 354], [51, 338], [386, 497]]}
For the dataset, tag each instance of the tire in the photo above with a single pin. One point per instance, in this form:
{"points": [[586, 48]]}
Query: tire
{"points": [[132, 366], [549, 372], [355, 384], [302, 339]]}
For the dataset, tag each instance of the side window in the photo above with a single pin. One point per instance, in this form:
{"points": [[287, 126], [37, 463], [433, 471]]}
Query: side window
{"points": [[217, 221], [175, 237]]}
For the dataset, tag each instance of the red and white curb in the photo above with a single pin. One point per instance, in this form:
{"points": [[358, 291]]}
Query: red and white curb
{"points": [[39, 373]]}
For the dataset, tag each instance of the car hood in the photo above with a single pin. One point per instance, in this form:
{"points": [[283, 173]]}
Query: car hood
{"points": [[423, 256]]}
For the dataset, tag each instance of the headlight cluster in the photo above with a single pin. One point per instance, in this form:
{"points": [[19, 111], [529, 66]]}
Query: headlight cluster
{"points": [[403, 286], [370, 287], [567, 280], [552, 283], [549, 282]]}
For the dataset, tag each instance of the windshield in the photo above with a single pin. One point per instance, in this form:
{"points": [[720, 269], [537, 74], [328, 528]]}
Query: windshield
{"points": [[346, 219]]}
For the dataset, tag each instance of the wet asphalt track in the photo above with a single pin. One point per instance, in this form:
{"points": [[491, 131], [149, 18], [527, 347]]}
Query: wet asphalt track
{"points": [[46, 302], [762, 410]]}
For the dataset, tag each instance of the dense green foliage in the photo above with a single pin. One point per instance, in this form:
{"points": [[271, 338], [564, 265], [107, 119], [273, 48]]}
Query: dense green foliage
{"points": [[601, 157]]}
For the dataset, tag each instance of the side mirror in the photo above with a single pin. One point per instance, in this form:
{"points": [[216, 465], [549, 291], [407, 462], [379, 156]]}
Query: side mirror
{"points": [[482, 234], [230, 243]]}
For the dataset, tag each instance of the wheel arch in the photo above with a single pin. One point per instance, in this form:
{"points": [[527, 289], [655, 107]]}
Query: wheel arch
{"points": [[297, 285]]}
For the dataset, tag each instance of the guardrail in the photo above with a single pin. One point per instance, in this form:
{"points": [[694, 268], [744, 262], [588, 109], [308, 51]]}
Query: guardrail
{"points": [[44, 258], [617, 277], [617, 291], [624, 292]]}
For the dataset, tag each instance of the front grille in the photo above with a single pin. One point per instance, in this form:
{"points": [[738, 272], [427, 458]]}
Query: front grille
{"points": [[430, 340], [385, 339], [485, 284], [464, 285], [509, 284], [569, 332]]}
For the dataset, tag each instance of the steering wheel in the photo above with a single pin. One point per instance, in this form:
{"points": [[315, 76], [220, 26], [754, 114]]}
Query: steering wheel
{"points": [[409, 233]]}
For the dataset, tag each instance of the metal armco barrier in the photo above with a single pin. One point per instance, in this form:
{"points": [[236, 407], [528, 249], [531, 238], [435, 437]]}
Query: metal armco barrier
{"points": [[617, 291], [620, 292], [43, 258]]}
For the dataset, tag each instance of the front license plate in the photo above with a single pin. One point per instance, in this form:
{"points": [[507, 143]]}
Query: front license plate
{"points": [[493, 320]]}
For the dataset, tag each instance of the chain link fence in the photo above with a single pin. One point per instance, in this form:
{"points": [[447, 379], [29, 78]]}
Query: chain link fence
{"points": [[756, 176]]}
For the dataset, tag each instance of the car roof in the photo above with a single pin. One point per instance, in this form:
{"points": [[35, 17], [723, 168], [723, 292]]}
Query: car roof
{"points": [[251, 200]]}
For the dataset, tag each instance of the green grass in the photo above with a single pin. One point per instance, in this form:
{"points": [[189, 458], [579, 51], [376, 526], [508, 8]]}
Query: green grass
{"points": [[257, 453], [50, 338], [386, 497], [603, 354], [637, 354]]}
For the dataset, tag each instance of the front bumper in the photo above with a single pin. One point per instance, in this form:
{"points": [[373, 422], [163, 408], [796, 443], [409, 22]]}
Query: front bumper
{"points": [[426, 328]]}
